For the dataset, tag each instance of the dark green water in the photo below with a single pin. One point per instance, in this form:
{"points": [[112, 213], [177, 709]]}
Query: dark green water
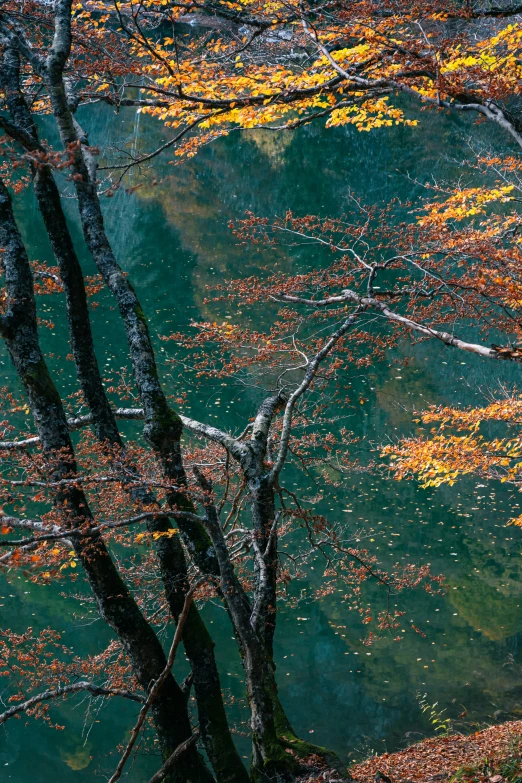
{"points": [[173, 240]]}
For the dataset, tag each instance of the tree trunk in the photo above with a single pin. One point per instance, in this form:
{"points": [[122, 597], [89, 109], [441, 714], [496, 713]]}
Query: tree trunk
{"points": [[163, 430], [198, 643], [262, 505], [115, 603], [270, 761], [263, 511], [199, 648], [49, 203]]}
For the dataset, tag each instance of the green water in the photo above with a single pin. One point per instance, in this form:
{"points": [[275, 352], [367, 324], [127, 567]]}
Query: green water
{"points": [[173, 240]]}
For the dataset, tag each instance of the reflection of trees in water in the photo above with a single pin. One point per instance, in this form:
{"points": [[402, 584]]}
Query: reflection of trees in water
{"points": [[489, 575], [488, 609], [479, 616], [480, 674], [200, 202], [311, 172], [272, 144]]}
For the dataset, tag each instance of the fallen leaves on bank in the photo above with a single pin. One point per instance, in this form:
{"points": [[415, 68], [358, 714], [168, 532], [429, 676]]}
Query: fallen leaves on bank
{"points": [[477, 757]]}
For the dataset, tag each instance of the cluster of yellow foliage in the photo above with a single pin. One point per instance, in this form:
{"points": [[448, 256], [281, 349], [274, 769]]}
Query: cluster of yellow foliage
{"points": [[251, 63], [370, 115], [443, 457], [465, 203]]}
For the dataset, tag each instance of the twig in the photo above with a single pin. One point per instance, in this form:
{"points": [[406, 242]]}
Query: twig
{"points": [[153, 693], [162, 773], [89, 532]]}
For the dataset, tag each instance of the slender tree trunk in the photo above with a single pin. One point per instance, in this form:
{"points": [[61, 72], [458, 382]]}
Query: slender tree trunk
{"points": [[163, 426], [50, 206], [115, 603], [270, 761], [263, 512], [199, 648], [264, 523]]}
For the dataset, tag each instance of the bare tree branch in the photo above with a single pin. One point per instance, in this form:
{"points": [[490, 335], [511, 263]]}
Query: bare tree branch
{"points": [[162, 773], [371, 302], [56, 693], [92, 531], [310, 374], [156, 687]]}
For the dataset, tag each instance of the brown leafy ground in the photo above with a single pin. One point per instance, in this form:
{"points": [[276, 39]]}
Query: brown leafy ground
{"points": [[491, 755]]}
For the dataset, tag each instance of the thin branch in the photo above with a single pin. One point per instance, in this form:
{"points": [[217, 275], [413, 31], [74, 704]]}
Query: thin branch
{"points": [[56, 693], [156, 687], [303, 386], [162, 773], [487, 108], [214, 434], [139, 161], [92, 531]]}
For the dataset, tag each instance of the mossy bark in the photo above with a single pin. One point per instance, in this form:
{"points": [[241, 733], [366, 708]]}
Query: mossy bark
{"points": [[262, 497]]}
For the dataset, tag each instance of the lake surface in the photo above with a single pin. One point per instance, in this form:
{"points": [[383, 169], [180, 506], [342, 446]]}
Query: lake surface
{"points": [[173, 240]]}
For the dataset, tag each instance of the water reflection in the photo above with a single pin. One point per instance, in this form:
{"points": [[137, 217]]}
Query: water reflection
{"points": [[172, 237]]}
